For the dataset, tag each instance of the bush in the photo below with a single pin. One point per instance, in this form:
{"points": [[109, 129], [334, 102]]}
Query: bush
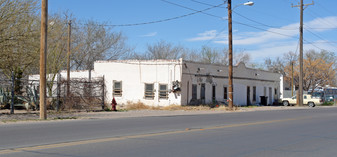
{"points": [[329, 103]]}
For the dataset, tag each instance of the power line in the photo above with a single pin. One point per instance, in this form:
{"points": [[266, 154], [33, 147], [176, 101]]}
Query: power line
{"points": [[204, 3], [319, 37], [275, 27], [213, 6], [233, 21], [313, 14], [163, 20], [216, 36]]}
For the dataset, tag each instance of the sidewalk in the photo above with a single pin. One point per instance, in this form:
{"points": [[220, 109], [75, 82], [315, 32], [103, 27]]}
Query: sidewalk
{"points": [[33, 116]]}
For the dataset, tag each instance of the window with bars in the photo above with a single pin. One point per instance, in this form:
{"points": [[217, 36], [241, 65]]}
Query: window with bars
{"points": [[163, 93], [149, 91], [117, 88]]}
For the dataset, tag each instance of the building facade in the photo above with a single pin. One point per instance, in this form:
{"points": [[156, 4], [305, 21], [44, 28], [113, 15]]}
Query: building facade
{"points": [[180, 82]]}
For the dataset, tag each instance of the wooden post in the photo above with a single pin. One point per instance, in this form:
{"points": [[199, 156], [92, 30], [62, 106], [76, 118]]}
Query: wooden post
{"points": [[43, 57]]}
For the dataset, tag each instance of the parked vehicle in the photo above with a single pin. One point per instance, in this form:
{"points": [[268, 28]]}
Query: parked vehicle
{"points": [[307, 100], [329, 98]]}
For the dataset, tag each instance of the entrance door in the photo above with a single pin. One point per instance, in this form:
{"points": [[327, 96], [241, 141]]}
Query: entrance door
{"points": [[248, 96], [213, 93], [270, 96], [202, 93]]}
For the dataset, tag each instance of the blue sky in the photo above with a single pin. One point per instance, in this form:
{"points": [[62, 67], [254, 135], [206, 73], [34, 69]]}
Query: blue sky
{"points": [[269, 28]]}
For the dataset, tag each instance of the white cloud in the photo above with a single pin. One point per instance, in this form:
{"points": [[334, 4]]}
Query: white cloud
{"points": [[271, 35], [275, 41], [278, 49], [322, 24], [207, 35], [152, 34]]}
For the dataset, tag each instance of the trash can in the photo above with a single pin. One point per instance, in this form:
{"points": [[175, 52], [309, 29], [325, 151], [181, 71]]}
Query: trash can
{"points": [[264, 100]]}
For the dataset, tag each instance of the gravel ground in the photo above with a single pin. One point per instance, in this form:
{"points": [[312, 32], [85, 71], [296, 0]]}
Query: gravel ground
{"points": [[21, 116]]}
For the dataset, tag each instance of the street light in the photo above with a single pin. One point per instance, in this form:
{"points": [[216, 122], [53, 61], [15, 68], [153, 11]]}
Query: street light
{"points": [[230, 51], [249, 3]]}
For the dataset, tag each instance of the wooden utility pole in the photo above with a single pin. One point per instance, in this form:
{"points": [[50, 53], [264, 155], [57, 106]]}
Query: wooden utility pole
{"points": [[230, 56], [43, 58], [300, 90], [68, 58], [292, 78]]}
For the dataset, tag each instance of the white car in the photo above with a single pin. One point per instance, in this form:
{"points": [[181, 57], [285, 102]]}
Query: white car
{"points": [[307, 99]]}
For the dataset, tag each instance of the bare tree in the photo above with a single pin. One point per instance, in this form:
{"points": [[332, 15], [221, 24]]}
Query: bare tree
{"points": [[210, 55], [93, 41], [276, 65], [241, 57], [57, 46], [163, 50], [290, 57], [190, 55], [19, 35]]}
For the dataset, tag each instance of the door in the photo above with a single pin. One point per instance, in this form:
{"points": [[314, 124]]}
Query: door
{"points": [[248, 96], [202, 93], [213, 93], [270, 96]]}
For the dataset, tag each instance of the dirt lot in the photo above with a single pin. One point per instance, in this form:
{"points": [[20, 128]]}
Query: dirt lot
{"points": [[21, 116]]}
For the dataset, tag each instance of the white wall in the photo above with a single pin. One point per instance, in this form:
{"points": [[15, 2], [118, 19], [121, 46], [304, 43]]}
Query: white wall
{"points": [[135, 74], [199, 73]]}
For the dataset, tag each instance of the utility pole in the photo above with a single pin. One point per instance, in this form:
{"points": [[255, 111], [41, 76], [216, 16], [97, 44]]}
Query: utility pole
{"points": [[300, 90], [43, 58], [68, 58], [230, 56], [292, 78]]}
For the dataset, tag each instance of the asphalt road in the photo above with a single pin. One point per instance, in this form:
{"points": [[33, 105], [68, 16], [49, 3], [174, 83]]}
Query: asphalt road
{"points": [[286, 133]]}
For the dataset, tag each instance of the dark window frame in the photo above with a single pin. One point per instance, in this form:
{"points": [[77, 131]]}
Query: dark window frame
{"points": [[225, 92], [117, 92], [148, 94], [163, 94]]}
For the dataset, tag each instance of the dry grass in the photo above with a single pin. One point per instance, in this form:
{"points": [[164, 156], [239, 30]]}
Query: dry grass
{"points": [[142, 106]]}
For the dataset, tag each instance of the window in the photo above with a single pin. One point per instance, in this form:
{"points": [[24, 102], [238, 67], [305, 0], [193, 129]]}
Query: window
{"points": [[254, 93], [225, 94], [194, 91], [117, 88], [163, 94], [202, 91], [149, 91]]}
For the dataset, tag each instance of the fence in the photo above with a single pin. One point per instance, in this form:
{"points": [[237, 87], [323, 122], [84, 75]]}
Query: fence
{"points": [[83, 94]]}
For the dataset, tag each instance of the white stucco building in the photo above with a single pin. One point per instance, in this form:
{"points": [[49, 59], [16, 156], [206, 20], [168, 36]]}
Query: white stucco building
{"points": [[153, 82]]}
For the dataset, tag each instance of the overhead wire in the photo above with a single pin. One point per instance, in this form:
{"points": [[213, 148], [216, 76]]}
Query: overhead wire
{"points": [[275, 27], [316, 35], [315, 15], [163, 20], [232, 20], [261, 28], [213, 6]]}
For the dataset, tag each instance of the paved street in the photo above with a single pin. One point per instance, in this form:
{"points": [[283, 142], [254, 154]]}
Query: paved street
{"points": [[299, 133]]}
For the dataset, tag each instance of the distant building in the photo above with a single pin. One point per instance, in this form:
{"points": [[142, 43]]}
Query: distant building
{"points": [[180, 82]]}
